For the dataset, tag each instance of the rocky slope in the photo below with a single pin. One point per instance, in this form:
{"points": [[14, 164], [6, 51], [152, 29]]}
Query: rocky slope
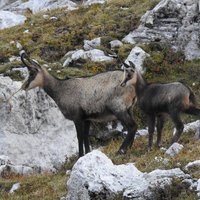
{"points": [[33, 132], [175, 22], [95, 177]]}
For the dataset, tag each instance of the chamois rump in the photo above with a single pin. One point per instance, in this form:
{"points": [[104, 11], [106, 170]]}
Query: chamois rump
{"points": [[97, 98], [156, 100]]}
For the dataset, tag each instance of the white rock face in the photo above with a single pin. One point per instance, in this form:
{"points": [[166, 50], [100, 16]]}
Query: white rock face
{"points": [[174, 149], [92, 44], [137, 56], [198, 188], [193, 126], [37, 5], [9, 19], [190, 165], [174, 22], [21, 170], [4, 160], [33, 132], [94, 176], [90, 2], [15, 187], [115, 43], [94, 55]]}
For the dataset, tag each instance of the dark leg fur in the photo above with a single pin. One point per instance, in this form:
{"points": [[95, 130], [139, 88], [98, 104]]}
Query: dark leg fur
{"points": [[193, 111], [159, 126], [86, 134], [127, 120], [151, 128], [79, 129]]}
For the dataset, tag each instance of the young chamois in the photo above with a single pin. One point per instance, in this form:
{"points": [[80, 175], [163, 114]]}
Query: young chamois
{"points": [[156, 100], [97, 98]]}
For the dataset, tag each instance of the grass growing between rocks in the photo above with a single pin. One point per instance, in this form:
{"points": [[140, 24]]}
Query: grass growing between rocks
{"points": [[41, 187], [49, 40]]}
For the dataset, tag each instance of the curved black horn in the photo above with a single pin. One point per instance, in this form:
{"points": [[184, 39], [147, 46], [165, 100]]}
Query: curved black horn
{"points": [[35, 64], [125, 65], [132, 64], [29, 63], [25, 58]]}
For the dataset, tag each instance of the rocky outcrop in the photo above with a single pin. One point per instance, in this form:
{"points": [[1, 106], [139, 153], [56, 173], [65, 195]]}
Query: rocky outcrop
{"points": [[9, 19], [137, 57], [174, 22], [35, 6], [174, 149], [33, 132], [94, 176], [79, 56]]}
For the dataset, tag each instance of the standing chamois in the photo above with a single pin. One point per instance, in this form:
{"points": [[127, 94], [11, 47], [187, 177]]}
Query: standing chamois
{"points": [[156, 100], [97, 98]]}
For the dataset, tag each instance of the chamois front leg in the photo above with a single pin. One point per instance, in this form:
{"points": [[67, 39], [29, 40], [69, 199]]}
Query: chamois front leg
{"points": [[151, 128], [131, 126], [86, 136], [80, 135]]}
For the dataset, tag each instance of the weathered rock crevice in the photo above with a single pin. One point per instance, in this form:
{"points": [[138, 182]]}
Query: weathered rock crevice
{"points": [[174, 22]]}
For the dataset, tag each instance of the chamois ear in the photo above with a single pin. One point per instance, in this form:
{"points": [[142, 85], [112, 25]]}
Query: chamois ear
{"points": [[132, 64]]}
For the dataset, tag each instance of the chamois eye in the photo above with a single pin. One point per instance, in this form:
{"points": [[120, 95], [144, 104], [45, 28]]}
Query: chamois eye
{"points": [[129, 76], [33, 73]]}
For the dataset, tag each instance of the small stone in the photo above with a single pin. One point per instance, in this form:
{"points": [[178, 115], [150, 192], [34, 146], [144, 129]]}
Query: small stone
{"points": [[14, 188], [19, 46], [92, 44], [115, 43], [26, 31], [45, 16], [54, 18], [174, 149]]}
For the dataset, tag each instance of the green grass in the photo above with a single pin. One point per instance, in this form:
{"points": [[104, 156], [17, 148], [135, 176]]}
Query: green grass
{"points": [[41, 187], [50, 40]]}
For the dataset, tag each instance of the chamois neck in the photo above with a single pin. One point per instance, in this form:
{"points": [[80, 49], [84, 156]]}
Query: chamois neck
{"points": [[50, 85], [141, 84]]}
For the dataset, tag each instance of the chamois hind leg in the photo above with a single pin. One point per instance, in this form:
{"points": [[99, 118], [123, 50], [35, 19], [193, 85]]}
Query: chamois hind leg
{"points": [[80, 135], [127, 120], [179, 125], [151, 128], [159, 127], [193, 111], [86, 136]]}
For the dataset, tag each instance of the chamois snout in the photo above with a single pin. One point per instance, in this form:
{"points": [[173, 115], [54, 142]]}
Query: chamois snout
{"points": [[35, 77], [129, 77]]}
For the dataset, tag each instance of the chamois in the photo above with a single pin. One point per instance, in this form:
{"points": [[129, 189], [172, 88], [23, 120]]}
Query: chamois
{"points": [[156, 100], [97, 98]]}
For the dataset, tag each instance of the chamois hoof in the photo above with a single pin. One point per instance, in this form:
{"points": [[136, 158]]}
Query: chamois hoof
{"points": [[149, 149], [121, 152]]}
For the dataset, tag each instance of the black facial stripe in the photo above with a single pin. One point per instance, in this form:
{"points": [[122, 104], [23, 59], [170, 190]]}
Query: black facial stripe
{"points": [[32, 75]]}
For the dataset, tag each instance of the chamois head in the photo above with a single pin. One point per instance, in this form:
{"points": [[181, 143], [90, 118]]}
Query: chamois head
{"points": [[130, 75], [36, 73]]}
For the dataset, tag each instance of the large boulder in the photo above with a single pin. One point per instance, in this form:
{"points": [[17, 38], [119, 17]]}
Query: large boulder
{"points": [[79, 56], [94, 176], [33, 132], [175, 22], [35, 5], [9, 19], [137, 57]]}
